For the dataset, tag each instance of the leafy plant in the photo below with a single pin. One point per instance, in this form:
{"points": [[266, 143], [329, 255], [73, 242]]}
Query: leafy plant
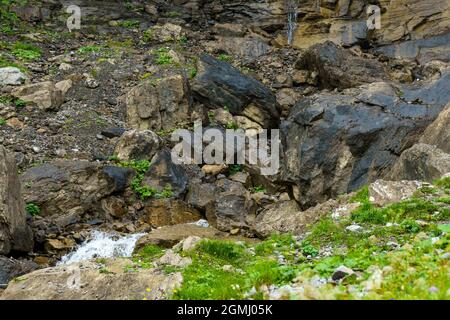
{"points": [[33, 209], [129, 23], [258, 189], [234, 168], [26, 51], [2, 122], [165, 193], [148, 35], [232, 125], [163, 57]]}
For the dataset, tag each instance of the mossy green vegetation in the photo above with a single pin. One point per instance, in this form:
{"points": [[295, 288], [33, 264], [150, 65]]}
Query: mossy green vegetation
{"points": [[26, 51], [401, 253], [163, 57], [33, 209], [144, 191]]}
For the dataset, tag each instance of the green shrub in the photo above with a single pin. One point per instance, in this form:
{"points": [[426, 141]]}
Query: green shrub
{"points": [[33, 209]]}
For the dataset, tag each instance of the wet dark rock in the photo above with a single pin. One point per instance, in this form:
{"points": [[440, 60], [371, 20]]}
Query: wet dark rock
{"points": [[11, 268], [200, 194], [164, 173], [336, 143], [339, 68], [138, 145], [232, 207], [218, 84], [113, 132], [67, 189], [421, 162]]}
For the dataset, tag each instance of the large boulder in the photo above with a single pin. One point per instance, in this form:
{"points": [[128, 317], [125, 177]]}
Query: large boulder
{"points": [[421, 162], [438, 133], [46, 95], [137, 145], [166, 212], [383, 192], [164, 173], [220, 85], [84, 281], [201, 194], [339, 68], [286, 217], [66, 189], [161, 104], [15, 235], [336, 143], [231, 209], [11, 268], [11, 76]]}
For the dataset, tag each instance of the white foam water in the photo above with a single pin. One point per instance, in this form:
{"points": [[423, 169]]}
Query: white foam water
{"points": [[103, 245]]}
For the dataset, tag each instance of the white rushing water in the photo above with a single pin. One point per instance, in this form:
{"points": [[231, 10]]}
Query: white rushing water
{"points": [[103, 245], [292, 16]]}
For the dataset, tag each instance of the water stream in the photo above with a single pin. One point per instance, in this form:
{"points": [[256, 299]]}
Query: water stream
{"points": [[292, 18], [103, 245]]}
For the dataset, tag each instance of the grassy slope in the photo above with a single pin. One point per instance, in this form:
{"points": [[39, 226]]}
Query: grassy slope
{"points": [[402, 252]]}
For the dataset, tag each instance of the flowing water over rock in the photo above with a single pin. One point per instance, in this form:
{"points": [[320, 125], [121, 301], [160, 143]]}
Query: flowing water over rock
{"points": [[103, 245], [292, 15]]}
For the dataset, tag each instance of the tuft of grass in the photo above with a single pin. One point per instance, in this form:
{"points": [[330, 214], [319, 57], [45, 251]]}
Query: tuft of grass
{"points": [[225, 58], [150, 252], [130, 24], [2, 122], [362, 196], [228, 251]]}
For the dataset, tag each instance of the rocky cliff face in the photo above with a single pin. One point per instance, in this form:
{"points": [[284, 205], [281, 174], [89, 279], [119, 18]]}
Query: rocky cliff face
{"points": [[87, 115]]}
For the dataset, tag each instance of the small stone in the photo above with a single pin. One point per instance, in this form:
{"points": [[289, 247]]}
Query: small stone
{"points": [[11, 76], [214, 169], [173, 259], [235, 231], [36, 149], [113, 132], [190, 243], [341, 273], [65, 66], [354, 228], [228, 268]]}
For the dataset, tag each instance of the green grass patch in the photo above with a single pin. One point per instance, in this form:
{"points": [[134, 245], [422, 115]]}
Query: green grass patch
{"points": [[163, 57], [26, 51]]}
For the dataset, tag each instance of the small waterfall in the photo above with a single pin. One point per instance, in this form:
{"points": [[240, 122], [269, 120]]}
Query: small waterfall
{"points": [[292, 16], [103, 245]]}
